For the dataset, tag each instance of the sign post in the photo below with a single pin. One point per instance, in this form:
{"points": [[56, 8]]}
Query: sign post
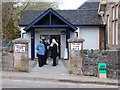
{"points": [[102, 71], [21, 60], [75, 55]]}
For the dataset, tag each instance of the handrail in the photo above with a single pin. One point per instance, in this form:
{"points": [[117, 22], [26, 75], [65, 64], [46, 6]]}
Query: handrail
{"points": [[8, 44]]}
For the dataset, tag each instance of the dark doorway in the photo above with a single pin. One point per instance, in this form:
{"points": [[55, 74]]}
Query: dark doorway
{"points": [[57, 38]]}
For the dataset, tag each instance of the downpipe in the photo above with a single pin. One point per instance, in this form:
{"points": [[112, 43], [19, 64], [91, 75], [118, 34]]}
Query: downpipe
{"points": [[104, 28]]}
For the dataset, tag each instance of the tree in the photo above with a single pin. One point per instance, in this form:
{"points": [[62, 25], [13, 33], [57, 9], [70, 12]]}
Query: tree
{"points": [[11, 12], [19, 7], [7, 22]]}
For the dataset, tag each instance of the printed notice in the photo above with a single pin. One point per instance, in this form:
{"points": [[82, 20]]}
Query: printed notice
{"points": [[75, 46], [19, 47]]}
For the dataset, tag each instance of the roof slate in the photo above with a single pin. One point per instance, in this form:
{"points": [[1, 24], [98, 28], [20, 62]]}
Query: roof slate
{"points": [[90, 6], [81, 16]]}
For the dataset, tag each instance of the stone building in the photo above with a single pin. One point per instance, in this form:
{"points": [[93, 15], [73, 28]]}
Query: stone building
{"points": [[111, 12]]}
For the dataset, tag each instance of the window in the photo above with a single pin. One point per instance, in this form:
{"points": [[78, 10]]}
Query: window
{"points": [[113, 13], [117, 32], [117, 11], [113, 33], [115, 24], [44, 37]]}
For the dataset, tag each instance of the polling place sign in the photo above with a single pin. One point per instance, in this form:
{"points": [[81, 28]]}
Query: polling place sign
{"points": [[19, 47]]}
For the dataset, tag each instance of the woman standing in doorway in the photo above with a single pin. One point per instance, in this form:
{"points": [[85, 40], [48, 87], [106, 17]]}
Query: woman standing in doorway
{"points": [[40, 53], [53, 48]]}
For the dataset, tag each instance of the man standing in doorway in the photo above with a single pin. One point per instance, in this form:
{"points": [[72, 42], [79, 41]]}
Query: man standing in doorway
{"points": [[46, 43]]}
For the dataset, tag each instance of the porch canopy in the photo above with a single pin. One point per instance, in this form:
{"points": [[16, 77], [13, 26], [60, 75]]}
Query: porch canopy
{"points": [[48, 19]]}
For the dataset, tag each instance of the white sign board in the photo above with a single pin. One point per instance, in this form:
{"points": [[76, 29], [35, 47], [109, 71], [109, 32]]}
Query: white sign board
{"points": [[75, 46], [19, 47]]}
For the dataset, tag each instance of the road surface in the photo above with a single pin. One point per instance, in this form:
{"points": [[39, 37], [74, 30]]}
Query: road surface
{"points": [[10, 83]]}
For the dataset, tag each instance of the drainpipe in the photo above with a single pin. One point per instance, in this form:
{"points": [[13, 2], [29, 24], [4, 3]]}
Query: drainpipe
{"points": [[104, 28], [22, 33]]}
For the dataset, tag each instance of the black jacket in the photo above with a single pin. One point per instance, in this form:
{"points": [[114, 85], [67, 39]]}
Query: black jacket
{"points": [[53, 50]]}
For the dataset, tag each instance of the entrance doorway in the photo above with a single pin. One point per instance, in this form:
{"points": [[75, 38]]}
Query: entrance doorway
{"points": [[56, 37]]}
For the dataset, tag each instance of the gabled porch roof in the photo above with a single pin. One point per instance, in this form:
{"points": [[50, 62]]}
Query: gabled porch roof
{"points": [[50, 11]]}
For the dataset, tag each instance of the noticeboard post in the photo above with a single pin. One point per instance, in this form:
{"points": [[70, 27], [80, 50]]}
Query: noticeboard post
{"points": [[21, 60], [102, 70], [75, 55]]}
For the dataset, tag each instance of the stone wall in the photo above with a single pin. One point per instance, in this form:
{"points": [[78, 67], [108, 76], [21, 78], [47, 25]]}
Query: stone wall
{"points": [[113, 63], [93, 57], [7, 62], [7, 59]]}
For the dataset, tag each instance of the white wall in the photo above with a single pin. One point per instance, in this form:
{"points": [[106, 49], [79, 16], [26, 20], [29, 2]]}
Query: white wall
{"points": [[22, 31], [63, 45], [72, 34], [28, 37], [91, 36]]}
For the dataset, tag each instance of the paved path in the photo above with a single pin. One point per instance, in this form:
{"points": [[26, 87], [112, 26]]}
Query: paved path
{"points": [[57, 74]]}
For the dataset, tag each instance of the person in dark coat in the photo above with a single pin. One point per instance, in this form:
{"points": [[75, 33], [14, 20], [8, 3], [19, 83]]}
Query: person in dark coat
{"points": [[53, 48], [46, 51], [40, 53], [57, 60]]}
